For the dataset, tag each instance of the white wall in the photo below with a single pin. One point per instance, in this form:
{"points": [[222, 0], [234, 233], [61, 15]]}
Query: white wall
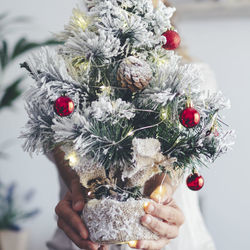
{"points": [[224, 44], [38, 173]]}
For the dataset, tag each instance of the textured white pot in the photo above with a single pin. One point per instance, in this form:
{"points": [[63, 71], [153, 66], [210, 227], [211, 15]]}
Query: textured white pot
{"points": [[113, 222], [11, 240]]}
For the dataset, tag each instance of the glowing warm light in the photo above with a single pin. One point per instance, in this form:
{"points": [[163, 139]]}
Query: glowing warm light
{"points": [[81, 20], [164, 114], [80, 62], [105, 89], [130, 133], [180, 126], [122, 243], [84, 66], [72, 157], [146, 204], [133, 243], [89, 193], [159, 193], [161, 61]]}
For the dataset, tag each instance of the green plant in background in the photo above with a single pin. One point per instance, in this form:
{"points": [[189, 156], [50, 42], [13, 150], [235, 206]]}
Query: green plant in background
{"points": [[9, 52], [9, 92], [11, 212]]}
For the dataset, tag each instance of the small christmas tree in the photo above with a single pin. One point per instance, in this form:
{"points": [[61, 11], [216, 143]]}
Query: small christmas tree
{"points": [[121, 105]]}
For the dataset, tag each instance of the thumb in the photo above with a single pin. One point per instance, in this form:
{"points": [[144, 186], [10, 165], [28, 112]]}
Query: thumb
{"points": [[77, 195], [162, 194]]}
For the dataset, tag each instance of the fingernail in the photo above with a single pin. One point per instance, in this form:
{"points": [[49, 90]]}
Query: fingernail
{"points": [[147, 220], [148, 207], [83, 235], [96, 246], [141, 245], [78, 205]]}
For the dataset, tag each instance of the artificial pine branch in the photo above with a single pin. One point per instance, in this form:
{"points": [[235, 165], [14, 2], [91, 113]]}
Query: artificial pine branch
{"points": [[127, 112]]}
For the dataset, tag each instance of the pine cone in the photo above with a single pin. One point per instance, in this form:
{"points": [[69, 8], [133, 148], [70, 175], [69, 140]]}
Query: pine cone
{"points": [[134, 74]]}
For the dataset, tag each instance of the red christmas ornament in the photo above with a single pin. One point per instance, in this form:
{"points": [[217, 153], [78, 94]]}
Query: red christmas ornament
{"points": [[173, 40], [189, 117], [64, 106], [216, 133], [195, 182]]}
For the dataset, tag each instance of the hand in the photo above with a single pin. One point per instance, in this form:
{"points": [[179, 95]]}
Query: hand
{"points": [[68, 210], [164, 219]]}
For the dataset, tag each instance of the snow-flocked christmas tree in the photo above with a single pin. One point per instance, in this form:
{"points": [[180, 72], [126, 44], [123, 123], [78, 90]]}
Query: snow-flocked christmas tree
{"points": [[123, 107]]}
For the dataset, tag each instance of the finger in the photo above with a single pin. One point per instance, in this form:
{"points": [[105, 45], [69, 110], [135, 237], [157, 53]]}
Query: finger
{"points": [[68, 197], [162, 194], [161, 228], [68, 215], [82, 244], [152, 244], [171, 214], [77, 195], [104, 247]]}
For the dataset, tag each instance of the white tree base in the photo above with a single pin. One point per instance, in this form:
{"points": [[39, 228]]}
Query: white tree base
{"points": [[113, 222]]}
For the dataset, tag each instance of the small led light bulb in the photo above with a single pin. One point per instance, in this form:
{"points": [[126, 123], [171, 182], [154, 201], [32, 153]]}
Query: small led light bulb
{"points": [[146, 204], [105, 89], [133, 243], [159, 193], [161, 61], [130, 133], [73, 160], [164, 115]]}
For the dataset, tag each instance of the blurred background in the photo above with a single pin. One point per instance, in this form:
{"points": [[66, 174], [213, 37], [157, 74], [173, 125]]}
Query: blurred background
{"points": [[214, 32]]}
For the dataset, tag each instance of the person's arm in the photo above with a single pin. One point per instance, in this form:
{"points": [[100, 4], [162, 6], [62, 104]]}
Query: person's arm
{"points": [[69, 177], [69, 208], [65, 171]]}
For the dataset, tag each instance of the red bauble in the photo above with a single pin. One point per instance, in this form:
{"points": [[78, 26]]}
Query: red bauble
{"points": [[216, 133], [173, 40], [189, 117], [195, 182], [64, 106]]}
